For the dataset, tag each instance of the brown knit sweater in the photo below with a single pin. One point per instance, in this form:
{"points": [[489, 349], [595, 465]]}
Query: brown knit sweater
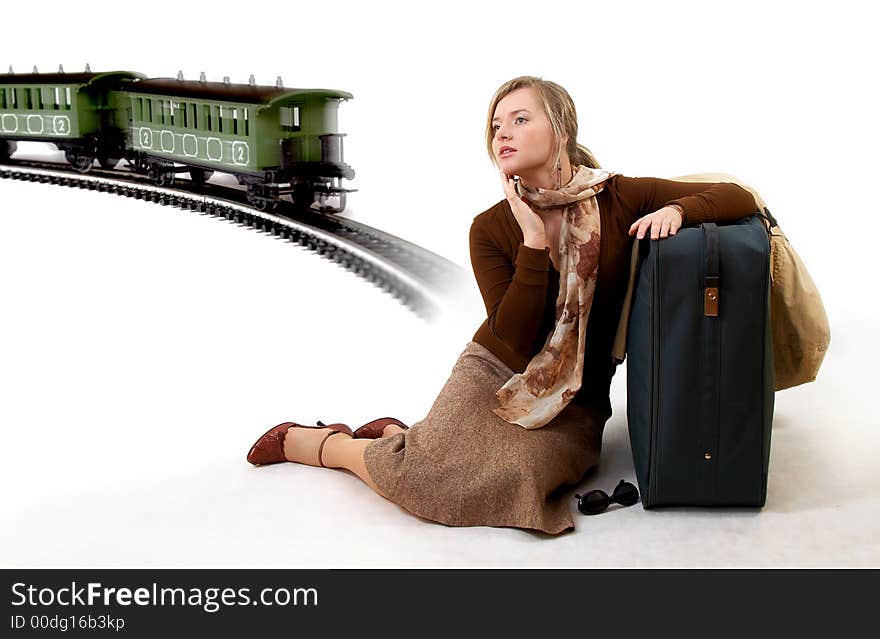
{"points": [[519, 284]]}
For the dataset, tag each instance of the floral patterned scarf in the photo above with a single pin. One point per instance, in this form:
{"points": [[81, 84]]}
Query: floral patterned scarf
{"points": [[552, 378]]}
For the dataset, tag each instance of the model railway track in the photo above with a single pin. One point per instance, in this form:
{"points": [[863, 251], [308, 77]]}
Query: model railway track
{"points": [[421, 280]]}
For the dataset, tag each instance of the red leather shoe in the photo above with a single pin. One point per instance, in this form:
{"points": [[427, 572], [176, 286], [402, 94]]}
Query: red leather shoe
{"points": [[373, 429], [269, 449]]}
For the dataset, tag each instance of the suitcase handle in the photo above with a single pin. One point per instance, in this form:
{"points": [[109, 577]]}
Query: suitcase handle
{"points": [[712, 281]]}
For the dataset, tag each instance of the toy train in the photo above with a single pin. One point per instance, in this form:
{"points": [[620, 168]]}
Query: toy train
{"points": [[273, 139]]}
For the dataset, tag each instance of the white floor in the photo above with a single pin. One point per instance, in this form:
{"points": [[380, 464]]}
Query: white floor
{"points": [[144, 349]]}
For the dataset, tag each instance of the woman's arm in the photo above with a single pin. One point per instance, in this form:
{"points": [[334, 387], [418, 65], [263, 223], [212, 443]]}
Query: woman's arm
{"points": [[515, 294], [721, 202]]}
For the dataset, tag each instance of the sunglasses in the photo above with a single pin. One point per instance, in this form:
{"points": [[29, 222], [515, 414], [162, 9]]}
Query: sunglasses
{"points": [[595, 501]]}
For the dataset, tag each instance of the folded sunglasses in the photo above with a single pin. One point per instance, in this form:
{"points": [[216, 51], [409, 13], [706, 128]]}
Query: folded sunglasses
{"points": [[595, 501]]}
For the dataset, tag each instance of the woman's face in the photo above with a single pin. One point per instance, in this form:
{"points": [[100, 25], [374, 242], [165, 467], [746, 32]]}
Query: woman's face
{"points": [[520, 123]]}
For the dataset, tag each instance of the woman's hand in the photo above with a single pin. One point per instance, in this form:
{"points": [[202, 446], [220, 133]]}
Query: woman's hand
{"points": [[530, 222], [662, 222]]}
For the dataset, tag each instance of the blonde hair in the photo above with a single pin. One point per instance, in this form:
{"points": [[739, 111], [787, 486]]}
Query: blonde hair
{"points": [[560, 110]]}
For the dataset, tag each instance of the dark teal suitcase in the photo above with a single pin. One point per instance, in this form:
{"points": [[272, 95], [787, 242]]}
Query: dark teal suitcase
{"points": [[700, 366]]}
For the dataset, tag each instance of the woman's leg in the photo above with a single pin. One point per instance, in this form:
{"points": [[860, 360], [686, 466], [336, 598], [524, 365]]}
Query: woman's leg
{"points": [[340, 451]]}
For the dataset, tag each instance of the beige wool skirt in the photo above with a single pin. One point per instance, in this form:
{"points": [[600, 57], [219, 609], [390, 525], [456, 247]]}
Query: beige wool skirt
{"points": [[462, 465]]}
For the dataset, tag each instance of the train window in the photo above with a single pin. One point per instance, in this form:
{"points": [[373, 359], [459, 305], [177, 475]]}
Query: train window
{"points": [[68, 103], [235, 120], [290, 118], [45, 97], [27, 99], [149, 103], [192, 116], [57, 98], [137, 109], [2, 98], [206, 110], [219, 119], [246, 122]]}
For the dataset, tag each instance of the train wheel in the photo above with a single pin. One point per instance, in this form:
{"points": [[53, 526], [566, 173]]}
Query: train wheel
{"points": [[108, 163], [82, 163], [303, 196], [160, 177], [199, 176], [7, 148], [261, 203]]}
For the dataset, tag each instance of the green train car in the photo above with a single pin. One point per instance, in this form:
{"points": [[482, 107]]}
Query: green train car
{"points": [[73, 111], [275, 140]]}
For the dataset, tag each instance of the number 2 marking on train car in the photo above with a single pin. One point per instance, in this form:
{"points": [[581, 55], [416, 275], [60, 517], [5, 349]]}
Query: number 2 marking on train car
{"points": [[61, 124], [240, 153]]}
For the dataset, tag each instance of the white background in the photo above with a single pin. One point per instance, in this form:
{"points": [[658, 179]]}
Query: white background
{"points": [[143, 349]]}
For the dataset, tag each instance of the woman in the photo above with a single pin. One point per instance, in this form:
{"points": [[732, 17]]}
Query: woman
{"points": [[463, 464]]}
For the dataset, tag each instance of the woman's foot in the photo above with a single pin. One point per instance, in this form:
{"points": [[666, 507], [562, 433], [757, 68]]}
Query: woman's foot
{"points": [[302, 445]]}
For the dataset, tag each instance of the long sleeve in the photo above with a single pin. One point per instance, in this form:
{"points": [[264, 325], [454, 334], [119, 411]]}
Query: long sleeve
{"points": [[514, 293], [722, 202]]}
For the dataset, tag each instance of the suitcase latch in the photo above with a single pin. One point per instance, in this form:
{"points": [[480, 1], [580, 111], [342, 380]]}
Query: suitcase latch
{"points": [[710, 301]]}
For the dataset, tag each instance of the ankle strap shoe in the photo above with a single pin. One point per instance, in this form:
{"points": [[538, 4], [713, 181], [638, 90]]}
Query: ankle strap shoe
{"points": [[373, 429], [269, 448]]}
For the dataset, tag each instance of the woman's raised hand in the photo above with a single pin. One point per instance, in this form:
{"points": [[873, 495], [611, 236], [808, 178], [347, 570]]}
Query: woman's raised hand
{"points": [[530, 222]]}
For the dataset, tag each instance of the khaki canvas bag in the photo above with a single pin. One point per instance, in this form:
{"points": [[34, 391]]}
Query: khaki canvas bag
{"points": [[799, 324]]}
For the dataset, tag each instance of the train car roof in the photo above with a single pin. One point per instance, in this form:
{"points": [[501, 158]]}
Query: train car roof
{"points": [[257, 94], [65, 78]]}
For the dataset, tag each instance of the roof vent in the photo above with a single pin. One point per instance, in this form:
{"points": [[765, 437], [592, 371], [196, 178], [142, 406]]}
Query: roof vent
{"points": [[278, 83], [252, 81], [88, 68], [179, 75], [202, 77], [10, 69], [35, 69], [60, 69], [225, 79]]}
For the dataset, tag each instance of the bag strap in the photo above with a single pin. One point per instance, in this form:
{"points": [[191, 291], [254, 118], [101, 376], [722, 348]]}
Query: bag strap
{"points": [[710, 360], [712, 276], [618, 351], [769, 221]]}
